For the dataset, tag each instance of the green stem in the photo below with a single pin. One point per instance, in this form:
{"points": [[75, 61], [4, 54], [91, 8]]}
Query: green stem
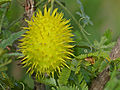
{"points": [[22, 85], [52, 5], [38, 3], [14, 22], [2, 19], [2, 86], [75, 20]]}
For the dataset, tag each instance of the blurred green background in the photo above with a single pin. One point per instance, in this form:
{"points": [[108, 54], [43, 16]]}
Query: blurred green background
{"points": [[105, 15]]}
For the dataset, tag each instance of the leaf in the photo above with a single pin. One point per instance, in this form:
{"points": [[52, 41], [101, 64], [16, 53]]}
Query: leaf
{"points": [[108, 45], [29, 82], [79, 81], [5, 63], [108, 35], [64, 75], [114, 82], [3, 68], [86, 75], [14, 54], [11, 39], [104, 44], [48, 81], [4, 1], [103, 40], [5, 81], [103, 65], [84, 85], [67, 88]]}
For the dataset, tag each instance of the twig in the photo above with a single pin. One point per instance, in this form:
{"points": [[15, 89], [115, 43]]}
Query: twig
{"points": [[14, 22], [2, 86], [22, 85], [2, 19], [75, 20]]}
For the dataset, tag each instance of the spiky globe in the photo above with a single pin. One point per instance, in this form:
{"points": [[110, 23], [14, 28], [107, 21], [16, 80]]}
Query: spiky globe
{"points": [[45, 45]]}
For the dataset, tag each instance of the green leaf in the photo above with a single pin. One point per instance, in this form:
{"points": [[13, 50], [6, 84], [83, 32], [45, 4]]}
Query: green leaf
{"points": [[3, 68], [29, 82], [104, 44], [64, 75], [14, 54], [108, 35], [103, 65], [11, 39], [84, 85], [114, 82], [5, 63], [5, 81], [48, 81], [4, 1], [67, 88]]}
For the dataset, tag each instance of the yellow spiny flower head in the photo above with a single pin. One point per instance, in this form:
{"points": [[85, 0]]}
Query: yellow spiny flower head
{"points": [[45, 45]]}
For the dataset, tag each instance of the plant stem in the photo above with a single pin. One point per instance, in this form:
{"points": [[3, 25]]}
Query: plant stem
{"points": [[75, 20], [22, 85], [2, 19], [14, 22], [2, 86]]}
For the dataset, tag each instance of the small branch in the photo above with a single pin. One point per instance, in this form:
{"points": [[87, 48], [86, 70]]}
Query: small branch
{"points": [[75, 20], [14, 22], [2, 86], [2, 19], [22, 85]]}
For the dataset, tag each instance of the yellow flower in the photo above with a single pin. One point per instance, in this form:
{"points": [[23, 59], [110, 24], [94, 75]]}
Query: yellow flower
{"points": [[45, 45]]}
